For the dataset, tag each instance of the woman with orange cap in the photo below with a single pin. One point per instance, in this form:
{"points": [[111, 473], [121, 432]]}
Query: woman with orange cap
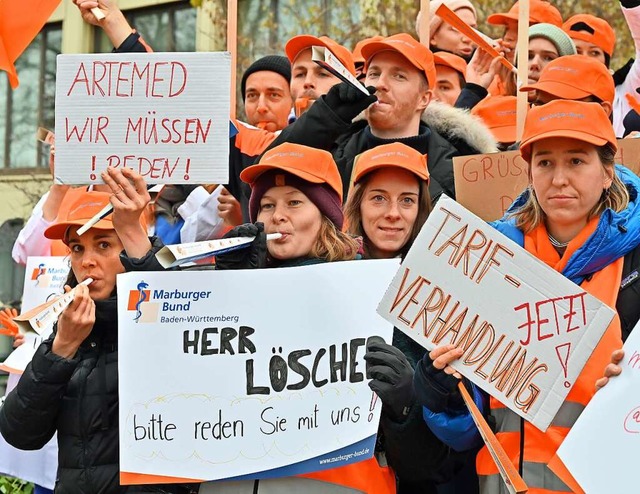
{"points": [[580, 215], [71, 385], [386, 208], [296, 191]]}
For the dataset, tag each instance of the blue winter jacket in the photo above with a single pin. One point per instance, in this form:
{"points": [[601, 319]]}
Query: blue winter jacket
{"points": [[616, 235]]}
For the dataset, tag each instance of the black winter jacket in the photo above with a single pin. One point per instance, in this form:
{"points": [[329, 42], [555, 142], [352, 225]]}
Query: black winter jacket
{"points": [[445, 132], [78, 398]]}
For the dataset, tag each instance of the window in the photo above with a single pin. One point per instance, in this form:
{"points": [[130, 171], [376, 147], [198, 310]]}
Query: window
{"points": [[31, 105], [168, 27], [12, 279]]}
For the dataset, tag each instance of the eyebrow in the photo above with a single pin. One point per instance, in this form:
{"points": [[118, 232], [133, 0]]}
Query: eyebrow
{"points": [[545, 52], [568, 151], [296, 191], [401, 193], [273, 88]]}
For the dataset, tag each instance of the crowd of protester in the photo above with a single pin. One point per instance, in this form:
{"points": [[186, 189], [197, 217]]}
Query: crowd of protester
{"points": [[344, 174]]}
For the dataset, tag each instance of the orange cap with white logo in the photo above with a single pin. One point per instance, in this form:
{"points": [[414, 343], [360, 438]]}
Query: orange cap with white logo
{"points": [[587, 122]]}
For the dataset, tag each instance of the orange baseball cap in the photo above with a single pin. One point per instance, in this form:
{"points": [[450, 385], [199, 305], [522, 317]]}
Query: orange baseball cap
{"points": [[416, 53], [86, 207], [499, 114], [313, 165], [299, 43], [394, 155], [579, 120], [357, 51], [575, 77], [603, 34], [539, 11], [452, 61]]}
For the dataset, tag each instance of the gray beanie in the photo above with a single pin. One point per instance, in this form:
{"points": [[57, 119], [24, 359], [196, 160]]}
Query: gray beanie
{"points": [[555, 35]]}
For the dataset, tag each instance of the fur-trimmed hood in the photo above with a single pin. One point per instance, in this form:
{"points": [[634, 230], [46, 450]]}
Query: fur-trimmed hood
{"points": [[457, 124]]}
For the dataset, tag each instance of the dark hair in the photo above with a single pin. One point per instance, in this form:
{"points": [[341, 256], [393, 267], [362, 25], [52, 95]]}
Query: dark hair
{"points": [[353, 214], [583, 26]]}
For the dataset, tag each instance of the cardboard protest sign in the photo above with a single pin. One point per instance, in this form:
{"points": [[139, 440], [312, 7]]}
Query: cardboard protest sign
{"points": [[526, 330], [607, 433], [165, 115], [487, 184], [248, 372]]}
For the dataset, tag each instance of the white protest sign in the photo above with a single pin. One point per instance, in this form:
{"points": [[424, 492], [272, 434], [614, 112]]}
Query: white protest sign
{"points": [[229, 373], [602, 448], [44, 280], [165, 115], [526, 330]]}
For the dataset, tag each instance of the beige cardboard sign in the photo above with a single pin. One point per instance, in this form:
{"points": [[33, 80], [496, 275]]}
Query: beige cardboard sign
{"points": [[487, 184]]}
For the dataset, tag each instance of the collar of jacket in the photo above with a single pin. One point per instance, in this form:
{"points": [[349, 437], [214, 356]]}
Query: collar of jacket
{"points": [[457, 124]]}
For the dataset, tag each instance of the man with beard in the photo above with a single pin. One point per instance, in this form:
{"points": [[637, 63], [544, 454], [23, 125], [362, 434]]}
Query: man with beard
{"points": [[400, 72]]}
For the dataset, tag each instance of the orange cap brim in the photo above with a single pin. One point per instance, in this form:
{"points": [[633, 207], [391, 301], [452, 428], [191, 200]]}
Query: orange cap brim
{"points": [[58, 231], [251, 174]]}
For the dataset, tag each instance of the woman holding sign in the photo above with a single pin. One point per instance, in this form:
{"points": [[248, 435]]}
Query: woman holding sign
{"points": [[296, 191], [71, 385], [579, 216], [387, 206]]}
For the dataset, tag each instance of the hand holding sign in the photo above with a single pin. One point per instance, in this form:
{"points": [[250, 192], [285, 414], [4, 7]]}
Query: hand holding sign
{"points": [[612, 369]]}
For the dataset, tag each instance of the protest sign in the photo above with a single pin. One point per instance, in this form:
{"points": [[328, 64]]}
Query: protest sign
{"points": [[43, 281], [164, 115], [526, 330], [234, 373], [487, 184], [607, 433]]}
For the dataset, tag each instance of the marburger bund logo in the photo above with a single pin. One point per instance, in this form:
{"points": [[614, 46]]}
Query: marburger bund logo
{"points": [[146, 303]]}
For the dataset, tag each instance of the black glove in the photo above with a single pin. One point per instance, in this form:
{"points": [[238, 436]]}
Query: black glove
{"points": [[392, 377], [347, 101], [252, 256], [437, 390]]}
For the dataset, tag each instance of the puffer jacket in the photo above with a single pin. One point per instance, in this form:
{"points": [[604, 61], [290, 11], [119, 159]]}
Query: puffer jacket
{"points": [[444, 133], [78, 399]]}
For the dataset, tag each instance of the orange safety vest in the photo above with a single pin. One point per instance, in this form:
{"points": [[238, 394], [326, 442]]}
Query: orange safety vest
{"points": [[365, 476], [532, 451]]}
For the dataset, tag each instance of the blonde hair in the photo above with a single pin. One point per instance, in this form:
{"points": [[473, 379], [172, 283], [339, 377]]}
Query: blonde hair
{"points": [[332, 244], [616, 197], [353, 213]]}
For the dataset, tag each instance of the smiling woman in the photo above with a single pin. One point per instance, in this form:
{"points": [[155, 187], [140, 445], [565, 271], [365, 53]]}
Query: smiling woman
{"points": [[390, 199]]}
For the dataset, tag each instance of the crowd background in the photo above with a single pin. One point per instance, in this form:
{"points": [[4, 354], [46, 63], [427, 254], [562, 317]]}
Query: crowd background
{"points": [[263, 28]]}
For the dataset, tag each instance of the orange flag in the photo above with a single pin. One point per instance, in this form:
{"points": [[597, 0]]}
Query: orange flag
{"points": [[20, 23]]}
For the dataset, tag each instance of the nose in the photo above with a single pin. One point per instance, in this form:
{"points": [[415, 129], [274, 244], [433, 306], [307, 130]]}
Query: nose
{"points": [[382, 83], [559, 176], [278, 215], [393, 211], [310, 80], [535, 62], [88, 259], [262, 104]]}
